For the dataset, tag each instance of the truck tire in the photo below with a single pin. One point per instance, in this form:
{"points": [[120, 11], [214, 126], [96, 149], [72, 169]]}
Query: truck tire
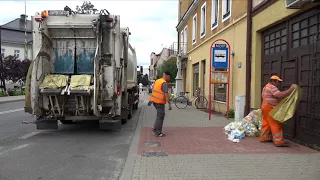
{"points": [[130, 108]]}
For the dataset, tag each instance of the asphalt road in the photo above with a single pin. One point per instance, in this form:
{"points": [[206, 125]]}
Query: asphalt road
{"points": [[73, 152]]}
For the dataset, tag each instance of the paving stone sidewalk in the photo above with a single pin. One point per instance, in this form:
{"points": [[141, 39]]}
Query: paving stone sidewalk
{"points": [[196, 148]]}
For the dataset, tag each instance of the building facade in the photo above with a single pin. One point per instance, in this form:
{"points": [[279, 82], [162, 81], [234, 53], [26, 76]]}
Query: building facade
{"points": [[201, 23], [13, 38], [286, 42], [155, 62]]}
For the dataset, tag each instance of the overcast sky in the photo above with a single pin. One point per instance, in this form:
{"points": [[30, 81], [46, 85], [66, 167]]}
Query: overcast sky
{"points": [[151, 22]]}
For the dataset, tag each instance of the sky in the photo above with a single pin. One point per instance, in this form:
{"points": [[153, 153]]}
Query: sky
{"points": [[151, 22]]}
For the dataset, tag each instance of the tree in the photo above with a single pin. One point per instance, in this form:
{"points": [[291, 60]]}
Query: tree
{"points": [[145, 80], [139, 77], [86, 8], [170, 67], [14, 69]]}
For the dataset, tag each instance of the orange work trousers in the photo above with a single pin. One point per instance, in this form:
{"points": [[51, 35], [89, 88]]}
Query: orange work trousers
{"points": [[270, 129]]}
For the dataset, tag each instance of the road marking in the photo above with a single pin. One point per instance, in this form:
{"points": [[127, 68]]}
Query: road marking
{"points": [[16, 148], [28, 135], [11, 111], [20, 147]]}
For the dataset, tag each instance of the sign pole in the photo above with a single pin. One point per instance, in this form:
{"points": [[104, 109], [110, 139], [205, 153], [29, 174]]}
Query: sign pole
{"points": [[222, 48]]}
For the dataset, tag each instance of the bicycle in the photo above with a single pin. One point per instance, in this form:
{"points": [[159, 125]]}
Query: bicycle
{"points": [[183, 101]]}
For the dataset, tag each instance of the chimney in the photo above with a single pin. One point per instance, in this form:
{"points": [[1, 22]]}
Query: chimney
{"points": [[23, 17]]}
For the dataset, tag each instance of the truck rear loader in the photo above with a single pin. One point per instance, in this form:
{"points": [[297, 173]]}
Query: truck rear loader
{"points": [[83, 68]]}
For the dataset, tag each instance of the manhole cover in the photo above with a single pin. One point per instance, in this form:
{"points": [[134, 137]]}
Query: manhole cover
{"points": [[152, 144], [154, 153]]}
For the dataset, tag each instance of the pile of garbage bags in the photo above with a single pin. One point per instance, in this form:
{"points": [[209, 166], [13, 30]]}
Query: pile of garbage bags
{"points": [[248, 126]]}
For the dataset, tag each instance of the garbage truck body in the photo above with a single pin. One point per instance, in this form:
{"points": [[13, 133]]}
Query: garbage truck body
{"points": [[83, 68]]}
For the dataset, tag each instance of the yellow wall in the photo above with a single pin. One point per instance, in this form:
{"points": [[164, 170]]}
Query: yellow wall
{"points": [[183, 7], [239, 8], [234, 33], [272, 15]]}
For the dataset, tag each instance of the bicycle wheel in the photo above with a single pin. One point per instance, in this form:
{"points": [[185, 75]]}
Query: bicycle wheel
{"points": [[181, 102], [201, 102]]}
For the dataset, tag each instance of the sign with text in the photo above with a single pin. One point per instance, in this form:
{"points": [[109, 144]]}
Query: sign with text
{"points": [[219, 77], [220, 56]]}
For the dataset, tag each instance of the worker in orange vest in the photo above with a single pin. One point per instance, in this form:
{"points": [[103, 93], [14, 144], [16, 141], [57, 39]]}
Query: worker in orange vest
{"points": [[159, 98], [271, 129]]}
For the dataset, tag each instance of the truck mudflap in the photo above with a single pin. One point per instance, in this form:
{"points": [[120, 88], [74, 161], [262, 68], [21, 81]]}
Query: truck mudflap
{"points": [[46, 123], [110, 124]]}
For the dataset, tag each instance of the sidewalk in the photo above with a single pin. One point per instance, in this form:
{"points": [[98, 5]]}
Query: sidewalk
{"points": [[196, 148], [7, 99]]}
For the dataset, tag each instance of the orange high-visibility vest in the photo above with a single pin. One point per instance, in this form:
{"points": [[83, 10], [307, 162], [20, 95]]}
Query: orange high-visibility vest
{"points": [[157, 95]]}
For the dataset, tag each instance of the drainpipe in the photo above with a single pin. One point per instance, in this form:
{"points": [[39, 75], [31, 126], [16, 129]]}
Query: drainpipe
{"points": [[248, 57]]}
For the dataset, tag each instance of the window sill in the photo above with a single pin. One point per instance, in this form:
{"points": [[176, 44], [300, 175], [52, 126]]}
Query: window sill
{"points": [[194, 42], [221, 102], [214, 27], [203, 35], [226, 18]]}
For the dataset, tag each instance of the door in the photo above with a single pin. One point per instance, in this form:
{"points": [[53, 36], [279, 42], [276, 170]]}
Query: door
{"points": [[203, 65], [292, 51], [195, 78], [304, 47]]}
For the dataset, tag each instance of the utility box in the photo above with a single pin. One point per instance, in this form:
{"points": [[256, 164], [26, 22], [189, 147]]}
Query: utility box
{"points": [[239, 107]]}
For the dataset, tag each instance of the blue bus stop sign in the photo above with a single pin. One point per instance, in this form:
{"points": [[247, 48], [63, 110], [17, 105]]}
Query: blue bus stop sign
{"points": [[220, 56]]}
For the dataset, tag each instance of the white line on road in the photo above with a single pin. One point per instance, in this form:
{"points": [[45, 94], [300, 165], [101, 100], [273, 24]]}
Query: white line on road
{"points": [[29, 135], [16, 148], [20, 147], [11, 111]]}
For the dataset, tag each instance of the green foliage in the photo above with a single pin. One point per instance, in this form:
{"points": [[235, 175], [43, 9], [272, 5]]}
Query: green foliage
{"points": [[15, 69], [16, 92], [168, 66], [86, 8], [231, 113], [144, 79]]}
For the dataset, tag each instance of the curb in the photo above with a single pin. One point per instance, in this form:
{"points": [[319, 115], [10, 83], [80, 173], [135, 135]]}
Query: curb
{"points": [[13, 100], [133, 151]]}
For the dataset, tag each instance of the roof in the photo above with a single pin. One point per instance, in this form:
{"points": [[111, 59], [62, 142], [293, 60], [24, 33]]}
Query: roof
{"points": [[17, 24], [13, 36], [13, 31]]}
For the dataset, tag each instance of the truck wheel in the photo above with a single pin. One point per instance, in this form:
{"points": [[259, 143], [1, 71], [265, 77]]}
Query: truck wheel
{"points": [[130, 108]]}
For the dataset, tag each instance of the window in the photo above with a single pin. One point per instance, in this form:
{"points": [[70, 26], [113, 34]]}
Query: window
{"points": [[220, 90], [226, 9], [17, 53], [203, 20], [2, 52], [194, 29], [183, 41], [214, 14]]}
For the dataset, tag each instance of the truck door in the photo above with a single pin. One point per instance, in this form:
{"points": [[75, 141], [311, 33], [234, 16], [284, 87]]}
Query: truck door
{"points": [[64, 50]]}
